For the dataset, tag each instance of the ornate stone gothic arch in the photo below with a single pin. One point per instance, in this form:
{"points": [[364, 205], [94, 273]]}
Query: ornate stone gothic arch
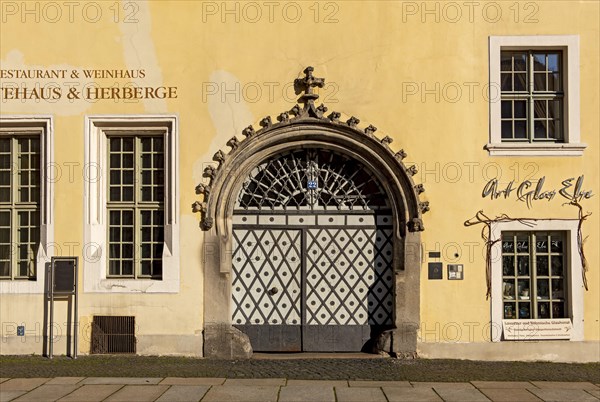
{"points": [[307, 127]]}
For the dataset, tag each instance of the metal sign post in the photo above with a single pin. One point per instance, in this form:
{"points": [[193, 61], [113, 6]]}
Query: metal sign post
{"points": [[63, 282]]}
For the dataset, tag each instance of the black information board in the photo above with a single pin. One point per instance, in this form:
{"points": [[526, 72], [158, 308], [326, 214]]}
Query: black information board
{"points": [[64, 269]]}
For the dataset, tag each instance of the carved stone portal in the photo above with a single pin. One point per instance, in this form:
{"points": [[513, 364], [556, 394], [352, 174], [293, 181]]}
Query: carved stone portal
{"points": [[308, 128]]}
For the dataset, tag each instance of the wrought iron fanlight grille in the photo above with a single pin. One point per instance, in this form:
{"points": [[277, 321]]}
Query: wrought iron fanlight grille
{"points": [[311, 179]]}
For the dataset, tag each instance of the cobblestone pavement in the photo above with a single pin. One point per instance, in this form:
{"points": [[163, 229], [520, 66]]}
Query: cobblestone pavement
{"points": [[291, 378], [80, 389], [347, 368]]}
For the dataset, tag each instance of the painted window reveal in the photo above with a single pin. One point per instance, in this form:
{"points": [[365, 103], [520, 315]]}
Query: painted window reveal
{"points": [[135, 206], [19, 205], [532, 96], [533, 275]]}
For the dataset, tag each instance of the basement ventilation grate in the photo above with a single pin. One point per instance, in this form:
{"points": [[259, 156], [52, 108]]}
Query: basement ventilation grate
{"points": [[113, 334]]}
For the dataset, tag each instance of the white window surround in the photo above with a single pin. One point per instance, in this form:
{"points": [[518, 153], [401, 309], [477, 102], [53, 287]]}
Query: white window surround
{"points": [[95, 237], [569, 45], [42, 126], [574, 286]]}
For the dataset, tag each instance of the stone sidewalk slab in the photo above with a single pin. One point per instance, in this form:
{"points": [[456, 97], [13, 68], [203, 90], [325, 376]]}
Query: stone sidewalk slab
{"points": [[47, 393], [255, 381], [6, 396], [564, 395], [3, 379], [184, 393], [64, 380], [503, 384], [192, 381], [595, 392], [304, 393], [461, 395], [379, 384], [563, 385], [138, 393], [318, 383], [509, 395], [22, 384], [453, 385], [403, 394], [92, 393], [359, 394], [121, 380], [233, 393]]}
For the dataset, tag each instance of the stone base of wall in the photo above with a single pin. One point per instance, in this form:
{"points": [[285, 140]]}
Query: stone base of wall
{"points": [[222, 341], [552, 351], [148, 345]]}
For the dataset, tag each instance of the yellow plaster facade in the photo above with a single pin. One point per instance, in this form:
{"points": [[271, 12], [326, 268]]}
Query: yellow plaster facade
{"points": [[418, 71]]}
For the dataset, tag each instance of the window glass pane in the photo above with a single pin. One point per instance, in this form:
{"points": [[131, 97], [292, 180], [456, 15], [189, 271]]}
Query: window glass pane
{"points": [[115, 161], [520, 109], [510, 311], [128, 161], [522, 244], [520, 129], [520, 82], [541, 244], [128, 177], [506, 61], [128, 144], [146, 268], [127, 233], [127, 268], [506, 109], [553, 62], [115, 144], [540, 128], [508, 289], [114, 194], [114, 267], [552, 132], [524, 310], [508, 246], [5, 145], [558, 310], [157, 267], [506, 82], [507, 129], [543, 310], [5, 161], [127, 193], [539, 82], [158, 144], [115, 177], [4, 268], [523, 265], [542, 265], [127, 250], [540, 109], [543, 290], [508, 265], [146, 144], [114, 217], [520, 61], [556, 245], [554, 82], [558, 291], [539, 61]]}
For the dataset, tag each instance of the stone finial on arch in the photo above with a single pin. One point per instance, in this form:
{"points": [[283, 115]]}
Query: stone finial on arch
{"points": [[301, 127]]}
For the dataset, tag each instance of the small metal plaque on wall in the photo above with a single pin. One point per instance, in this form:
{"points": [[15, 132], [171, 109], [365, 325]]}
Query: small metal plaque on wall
{"points": [[435, 270], [455, 272]]}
